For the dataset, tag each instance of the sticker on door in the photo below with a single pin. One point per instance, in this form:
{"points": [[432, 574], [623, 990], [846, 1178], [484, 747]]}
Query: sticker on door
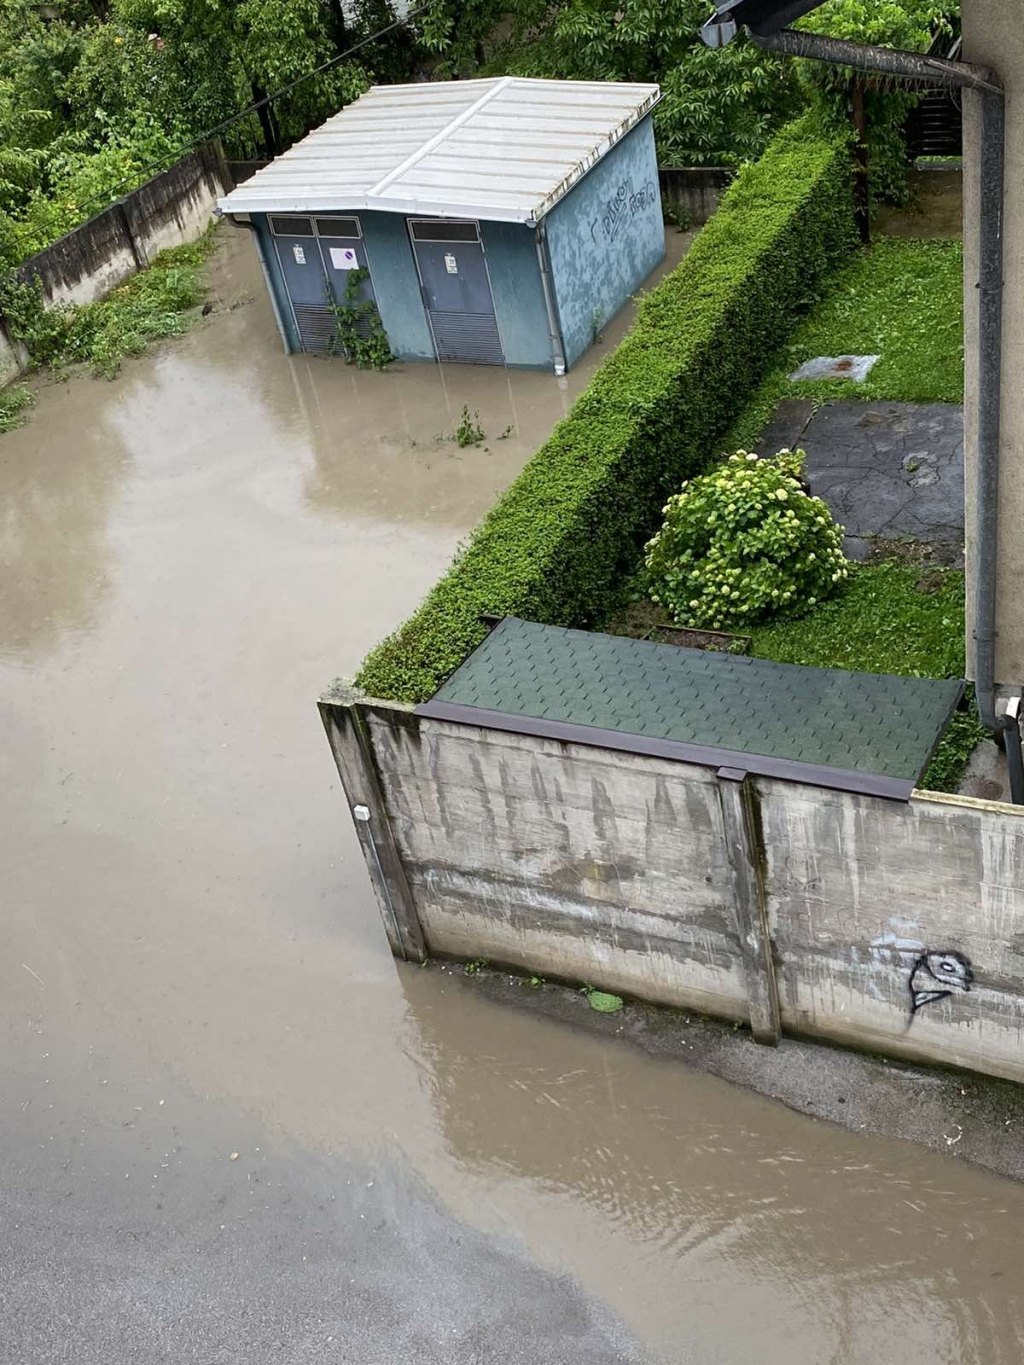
{"points": [[300, 255], [451, 264], [344, 258]]}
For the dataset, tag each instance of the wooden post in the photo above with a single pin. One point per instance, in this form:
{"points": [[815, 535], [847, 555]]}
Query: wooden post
{"points": [[351, 745], [745, 859]]}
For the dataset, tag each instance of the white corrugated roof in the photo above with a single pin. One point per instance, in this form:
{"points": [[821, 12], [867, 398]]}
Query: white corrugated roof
{"points": [[504, 149]]}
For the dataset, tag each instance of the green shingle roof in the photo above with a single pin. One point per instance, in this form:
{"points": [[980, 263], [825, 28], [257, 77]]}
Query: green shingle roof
{"points": [[545, 676]]}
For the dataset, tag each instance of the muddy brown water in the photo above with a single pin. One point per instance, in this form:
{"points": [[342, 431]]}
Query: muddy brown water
{"points": [[193, 967]]}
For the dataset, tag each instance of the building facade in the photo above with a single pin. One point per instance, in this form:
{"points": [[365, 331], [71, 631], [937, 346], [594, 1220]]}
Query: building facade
{"points": [[523, 221]]}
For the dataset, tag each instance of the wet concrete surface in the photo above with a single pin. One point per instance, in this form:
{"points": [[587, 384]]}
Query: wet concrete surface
{"points": [[888, 471], [233, 1129]]}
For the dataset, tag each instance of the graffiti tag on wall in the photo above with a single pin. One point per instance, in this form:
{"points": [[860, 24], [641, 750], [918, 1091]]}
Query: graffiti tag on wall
{"points": [[934, 976], [624, 205]]}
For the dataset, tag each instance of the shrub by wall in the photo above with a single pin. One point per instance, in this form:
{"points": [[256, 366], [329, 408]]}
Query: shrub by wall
{"points": [[562, 536]]}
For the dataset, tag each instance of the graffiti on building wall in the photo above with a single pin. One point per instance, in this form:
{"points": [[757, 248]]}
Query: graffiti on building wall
{"points": [[624, 205], [934, 976]]}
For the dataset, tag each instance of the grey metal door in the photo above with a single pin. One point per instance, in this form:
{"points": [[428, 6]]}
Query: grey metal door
{"points": [[456, 291], [316, 256]]}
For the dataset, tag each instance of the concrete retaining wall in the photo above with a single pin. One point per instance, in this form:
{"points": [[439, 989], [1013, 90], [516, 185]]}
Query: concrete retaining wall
{"points": [[692, 193], [172, 208], [895, 927]]}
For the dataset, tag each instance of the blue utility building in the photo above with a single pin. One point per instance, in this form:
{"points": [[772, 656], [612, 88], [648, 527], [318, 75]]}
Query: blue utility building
{"points": [[500, 222]]}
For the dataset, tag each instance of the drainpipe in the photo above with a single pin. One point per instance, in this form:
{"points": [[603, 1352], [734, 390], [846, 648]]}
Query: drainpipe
{"points": [[919, 68], [555, 332], [274, 302]]}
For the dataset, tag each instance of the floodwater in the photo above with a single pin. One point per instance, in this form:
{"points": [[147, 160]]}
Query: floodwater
{"points": [[233, 1129]]}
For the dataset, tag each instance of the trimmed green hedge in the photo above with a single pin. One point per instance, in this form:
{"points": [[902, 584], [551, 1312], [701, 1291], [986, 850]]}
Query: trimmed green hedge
{"points": [[561, 538]]}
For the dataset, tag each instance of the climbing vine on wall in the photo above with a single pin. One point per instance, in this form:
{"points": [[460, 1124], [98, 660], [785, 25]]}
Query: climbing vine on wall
{"points": [[359, 335]]}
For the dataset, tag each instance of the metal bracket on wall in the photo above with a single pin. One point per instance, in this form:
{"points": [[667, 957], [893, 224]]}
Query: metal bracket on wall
{"points": [[746, 860]]}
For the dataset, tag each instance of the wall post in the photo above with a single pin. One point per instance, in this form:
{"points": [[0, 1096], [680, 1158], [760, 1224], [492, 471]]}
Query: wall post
{"points": [[746, 859], [352, 746]]}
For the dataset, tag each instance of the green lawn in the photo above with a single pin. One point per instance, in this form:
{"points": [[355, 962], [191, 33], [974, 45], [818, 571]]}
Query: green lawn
{"points": [[901, 300]]}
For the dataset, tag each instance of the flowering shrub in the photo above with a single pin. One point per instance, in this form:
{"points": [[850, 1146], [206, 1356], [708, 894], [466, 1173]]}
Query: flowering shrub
{"points": [[744, 542]]}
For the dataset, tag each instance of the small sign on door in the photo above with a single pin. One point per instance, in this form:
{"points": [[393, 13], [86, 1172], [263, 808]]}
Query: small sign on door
{"points": [[300, 255], [344, 258], [451, 264]]}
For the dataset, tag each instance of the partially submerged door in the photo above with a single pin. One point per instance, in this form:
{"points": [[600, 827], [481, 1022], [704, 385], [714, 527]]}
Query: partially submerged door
{"points": [[317, 256], [456, 291]]}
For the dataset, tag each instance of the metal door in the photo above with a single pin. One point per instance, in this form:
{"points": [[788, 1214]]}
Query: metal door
{"points": [[316, 256], [456, 291]]}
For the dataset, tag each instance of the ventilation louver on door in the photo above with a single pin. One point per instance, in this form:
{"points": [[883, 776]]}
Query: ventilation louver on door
{"points": [[471, 338], [318, 328]]}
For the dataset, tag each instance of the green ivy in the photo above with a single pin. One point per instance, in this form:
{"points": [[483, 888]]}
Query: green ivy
{"points": [[745, 542], [359, 334], [563, 535]]}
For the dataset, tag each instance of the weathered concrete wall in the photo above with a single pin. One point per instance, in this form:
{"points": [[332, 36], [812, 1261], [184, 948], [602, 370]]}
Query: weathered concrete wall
{"points": [[994, 39], [895, 927], [691, 193], [13, 357], [86, 264], [564, 860], [605, 238], [859, 890]]}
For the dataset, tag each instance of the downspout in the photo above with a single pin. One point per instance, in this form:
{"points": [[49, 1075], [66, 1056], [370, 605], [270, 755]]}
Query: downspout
{"points": [[554, 330], [912, 66], [274, 301]]}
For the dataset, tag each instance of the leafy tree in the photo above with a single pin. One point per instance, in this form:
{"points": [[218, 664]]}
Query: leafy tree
{"points": [[718, 108], [907, 24]]}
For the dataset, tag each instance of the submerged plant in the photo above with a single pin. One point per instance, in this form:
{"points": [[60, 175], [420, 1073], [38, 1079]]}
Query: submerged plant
{"points": [[469, 432]]}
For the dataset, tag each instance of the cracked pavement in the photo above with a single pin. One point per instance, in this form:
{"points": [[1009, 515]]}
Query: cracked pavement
{"points": [[887, 470]]}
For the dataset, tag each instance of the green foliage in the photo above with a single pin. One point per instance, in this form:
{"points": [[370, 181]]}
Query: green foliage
{"points": [[153, 304], [603, 1002], [900, 300], [882, 623], [906, 24], [95, 97], [359, 334], [79, 184], [892, 618], [745, 542], [718, 107], [13, 402], [560, 539], [469, 432]]}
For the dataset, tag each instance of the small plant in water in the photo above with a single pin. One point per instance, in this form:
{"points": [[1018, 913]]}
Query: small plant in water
{"points": [[602, 1001], [477, 965], [469, 432]]}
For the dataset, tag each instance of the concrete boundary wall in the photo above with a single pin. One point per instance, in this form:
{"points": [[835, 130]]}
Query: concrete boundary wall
{"points": [[692, 192], [173, 208], [897, 927]]}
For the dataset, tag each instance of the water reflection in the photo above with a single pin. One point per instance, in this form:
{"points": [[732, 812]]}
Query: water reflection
{"points": [[59, 478], [875, 1246]]}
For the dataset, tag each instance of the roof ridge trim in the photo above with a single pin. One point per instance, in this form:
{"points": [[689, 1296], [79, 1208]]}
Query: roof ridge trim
{"points": [[501, 84]]}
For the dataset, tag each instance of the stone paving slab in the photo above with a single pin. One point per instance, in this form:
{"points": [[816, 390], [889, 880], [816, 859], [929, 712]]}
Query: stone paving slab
{"points": [[889, 470]]}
